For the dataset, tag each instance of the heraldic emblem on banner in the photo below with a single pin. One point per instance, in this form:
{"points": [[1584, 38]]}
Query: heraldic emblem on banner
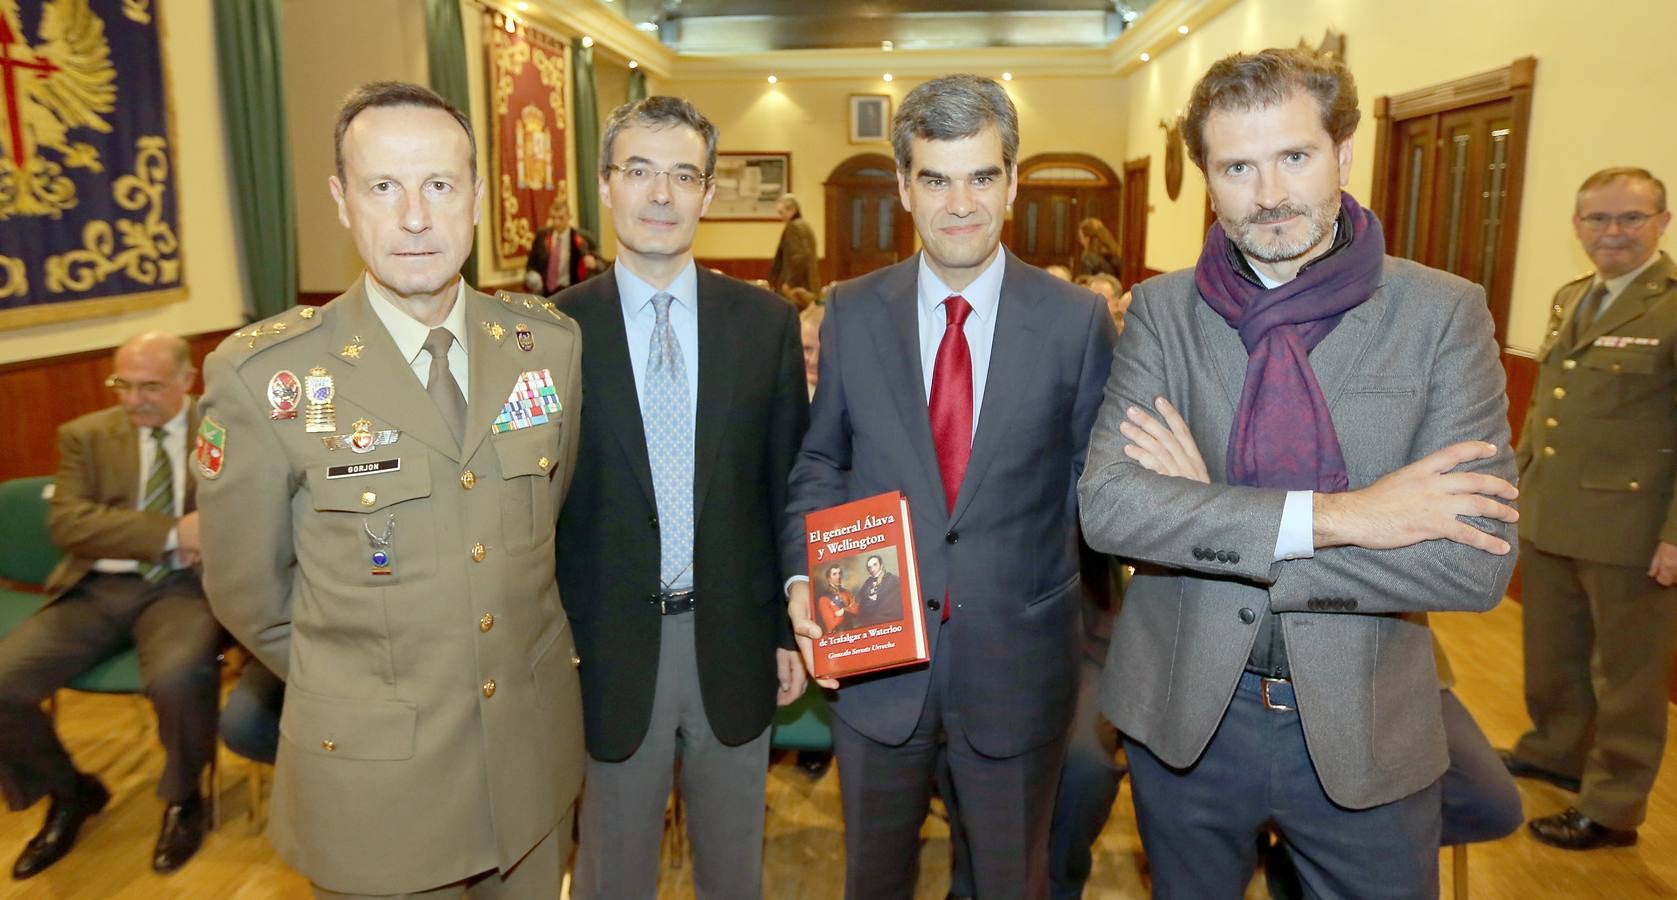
{"points": [[527, 132], [88, 218]]}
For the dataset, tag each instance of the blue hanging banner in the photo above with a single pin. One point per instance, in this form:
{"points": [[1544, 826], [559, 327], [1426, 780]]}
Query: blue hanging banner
{"points": [[89, 218]]}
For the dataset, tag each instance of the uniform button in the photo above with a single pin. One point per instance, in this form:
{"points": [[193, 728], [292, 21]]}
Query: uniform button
{"points": [[543, 463], [1560, 393], [1570, 364], [1548, 451], [368, 498], [1555, 333], [468, 479], [489, 688], [1556, 308], [952, 537], [479, 552], [328, 745], [932, 603], [486, 622], [1248, 616], [652, 520], [1636, 486], [576, 661], [1551, 422]]}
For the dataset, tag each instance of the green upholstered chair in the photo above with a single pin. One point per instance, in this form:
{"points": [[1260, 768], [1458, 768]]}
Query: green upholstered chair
{"points": [[26, 552], [804, 724]]}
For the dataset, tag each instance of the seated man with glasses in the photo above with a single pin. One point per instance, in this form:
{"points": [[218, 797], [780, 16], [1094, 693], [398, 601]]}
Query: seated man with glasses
{"points": [[1598, 530], [123, 512]]}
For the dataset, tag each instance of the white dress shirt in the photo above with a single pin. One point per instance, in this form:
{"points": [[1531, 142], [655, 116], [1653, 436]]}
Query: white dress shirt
{"points": [[174, 443]]}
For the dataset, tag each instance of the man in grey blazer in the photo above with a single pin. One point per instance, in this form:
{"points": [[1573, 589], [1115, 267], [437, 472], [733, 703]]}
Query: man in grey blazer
{"points": [[1271, 665], [969, 381]]}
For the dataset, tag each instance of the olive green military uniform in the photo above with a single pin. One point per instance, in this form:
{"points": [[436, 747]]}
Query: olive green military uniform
{"points": [[1597, 458], [432, 728]]}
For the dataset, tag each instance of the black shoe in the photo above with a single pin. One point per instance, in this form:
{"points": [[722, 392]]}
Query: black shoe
{"points": [[64, 821], [182, 835], [1572, 830], [815, 763], [1521, 769]]}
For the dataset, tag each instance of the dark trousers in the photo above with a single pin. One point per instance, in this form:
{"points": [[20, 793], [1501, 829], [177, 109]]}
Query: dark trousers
{"points": [[1598, 663], [1200, 825], [1088, 788], [169, 623], [250, 720], [1005, 803]]}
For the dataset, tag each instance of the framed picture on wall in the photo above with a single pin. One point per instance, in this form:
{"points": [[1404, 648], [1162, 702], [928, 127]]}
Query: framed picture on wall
{"points": [[749, 185], [870, 118]]}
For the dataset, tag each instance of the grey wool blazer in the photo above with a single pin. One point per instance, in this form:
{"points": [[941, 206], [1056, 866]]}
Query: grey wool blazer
{"points": [[1412, 370]]}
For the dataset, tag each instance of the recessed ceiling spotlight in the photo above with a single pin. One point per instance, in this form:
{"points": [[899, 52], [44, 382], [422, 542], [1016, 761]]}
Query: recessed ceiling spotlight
{"points": [[522, 6], [773, 80], [887, 76], [647, 26], [634, 64], [1007, 76], [1145, 57], [587, 41], [1181, 29], [887, 46], [512, 25]]}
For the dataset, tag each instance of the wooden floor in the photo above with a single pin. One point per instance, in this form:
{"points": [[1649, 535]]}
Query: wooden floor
{"points": [[113, 737]]}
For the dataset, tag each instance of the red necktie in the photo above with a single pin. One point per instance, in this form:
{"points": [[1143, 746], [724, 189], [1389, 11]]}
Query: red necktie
{"points": [[951, 405], [552, 263]]}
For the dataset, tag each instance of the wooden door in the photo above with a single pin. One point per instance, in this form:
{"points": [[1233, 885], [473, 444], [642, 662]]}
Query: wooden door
{"points": [[867, 227], [1056, 192], [1134, 240], [1449, 166]]}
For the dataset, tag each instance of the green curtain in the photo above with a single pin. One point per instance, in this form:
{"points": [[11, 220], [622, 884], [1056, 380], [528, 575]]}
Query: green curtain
{"points": [[445, 49], [637, 85], [585, 107], [247, 37]]}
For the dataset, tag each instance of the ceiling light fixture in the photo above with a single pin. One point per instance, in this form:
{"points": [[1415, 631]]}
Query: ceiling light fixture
{"points": [[1181, 29], [773, 80], [887, 76], [887, 46], [647, 26], [1145, 57], [587, 41], [512, 25], [634, 64], [522, 6], [1007, 76]]}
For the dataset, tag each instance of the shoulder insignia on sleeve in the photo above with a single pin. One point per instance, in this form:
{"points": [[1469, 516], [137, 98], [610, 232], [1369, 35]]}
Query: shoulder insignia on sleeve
{"points": [[275, 329], [211, 448]]}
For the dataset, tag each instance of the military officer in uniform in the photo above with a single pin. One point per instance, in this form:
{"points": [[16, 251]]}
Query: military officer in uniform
{"points": [[1598, 527], [379, 483]]}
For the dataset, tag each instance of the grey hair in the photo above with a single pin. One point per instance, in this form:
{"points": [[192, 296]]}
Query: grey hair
{"points": [[951, 108], [658, 112], [1608, 176]]}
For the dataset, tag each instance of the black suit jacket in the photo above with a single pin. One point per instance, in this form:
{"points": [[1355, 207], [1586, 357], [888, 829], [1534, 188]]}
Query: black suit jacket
{"points": [[752, 412], [581, 246]]}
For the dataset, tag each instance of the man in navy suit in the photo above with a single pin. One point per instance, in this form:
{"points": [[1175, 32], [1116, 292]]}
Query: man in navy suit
{"points": [[969, 381]]}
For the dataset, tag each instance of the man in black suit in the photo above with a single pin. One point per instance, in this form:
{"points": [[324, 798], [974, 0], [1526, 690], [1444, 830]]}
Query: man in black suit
{"points": [[666, 547], [968, 380], [881, 595], [560, 256]]}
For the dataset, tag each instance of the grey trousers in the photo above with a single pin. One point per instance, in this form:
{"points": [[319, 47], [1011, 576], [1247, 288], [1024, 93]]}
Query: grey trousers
{"points": [[536, 877], [724, 789], [177, 638]]}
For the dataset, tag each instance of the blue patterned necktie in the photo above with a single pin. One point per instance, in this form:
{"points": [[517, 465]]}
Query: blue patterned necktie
{"points": [[160, 498], [669, 444]]}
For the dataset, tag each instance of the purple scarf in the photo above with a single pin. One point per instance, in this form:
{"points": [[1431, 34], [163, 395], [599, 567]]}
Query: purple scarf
{"points": [[1283, 436]]}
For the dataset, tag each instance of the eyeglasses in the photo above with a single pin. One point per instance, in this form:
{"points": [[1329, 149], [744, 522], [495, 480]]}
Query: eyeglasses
{"points": [[1627, 221], [145, 388], [687, 181]]}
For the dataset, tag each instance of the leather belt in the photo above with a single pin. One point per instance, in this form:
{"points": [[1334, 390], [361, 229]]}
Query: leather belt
{"points": [[673, 603]]}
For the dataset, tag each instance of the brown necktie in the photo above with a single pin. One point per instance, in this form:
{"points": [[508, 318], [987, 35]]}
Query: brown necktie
{"points": [[444, 390], [1589, 309]]}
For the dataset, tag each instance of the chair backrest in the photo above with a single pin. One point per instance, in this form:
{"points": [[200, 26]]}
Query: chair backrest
{"points": [[27, 554]]}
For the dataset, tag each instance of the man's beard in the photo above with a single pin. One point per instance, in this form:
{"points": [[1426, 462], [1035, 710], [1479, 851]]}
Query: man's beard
{"points": [[1254, 240]]}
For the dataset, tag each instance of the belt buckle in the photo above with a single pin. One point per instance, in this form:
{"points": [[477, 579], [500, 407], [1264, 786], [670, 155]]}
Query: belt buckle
{"points": [[672, 602], [1271, 705]]}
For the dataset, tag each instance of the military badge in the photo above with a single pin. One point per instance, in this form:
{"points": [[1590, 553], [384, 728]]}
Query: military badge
{"points": [[534, 400], [322, 414], [526, 340], [284, 392], [495, 330], [362, 438], [380, 544], [211, 449]]}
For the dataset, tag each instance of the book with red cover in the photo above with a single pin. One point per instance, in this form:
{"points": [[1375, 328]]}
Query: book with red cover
{"points": [[864, 587]]}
